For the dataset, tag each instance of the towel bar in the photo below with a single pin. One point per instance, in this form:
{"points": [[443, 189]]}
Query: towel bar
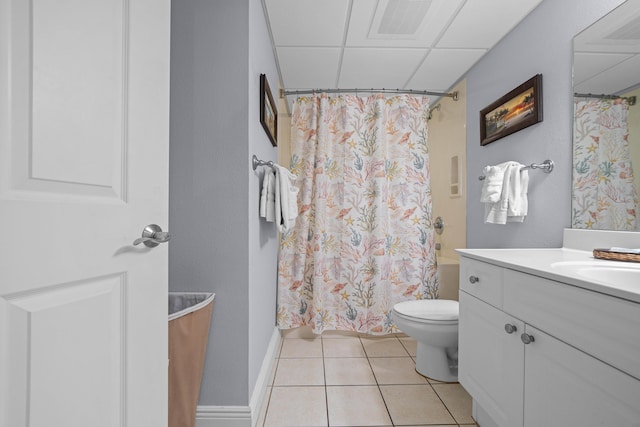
{"points": [[546, 166], [256, 162]]}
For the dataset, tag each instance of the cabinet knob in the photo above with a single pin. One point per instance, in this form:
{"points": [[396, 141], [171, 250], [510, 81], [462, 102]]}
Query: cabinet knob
{"points": [[527, 339], [510, 328], [474, 279]]}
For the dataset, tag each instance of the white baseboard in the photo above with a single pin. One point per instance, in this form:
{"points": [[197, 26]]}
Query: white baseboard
{"points": [[223, 416], [243, 416]]}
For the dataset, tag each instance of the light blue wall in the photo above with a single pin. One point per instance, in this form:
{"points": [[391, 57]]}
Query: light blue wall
{"points": [[263, 239], [540, 44], [218, 244]]}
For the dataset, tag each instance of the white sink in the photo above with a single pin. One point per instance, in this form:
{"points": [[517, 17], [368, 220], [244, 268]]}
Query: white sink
{"points": [[616, 274]]}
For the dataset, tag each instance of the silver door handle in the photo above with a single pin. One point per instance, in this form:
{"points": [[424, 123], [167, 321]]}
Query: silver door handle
{"points": [[152, 236]]}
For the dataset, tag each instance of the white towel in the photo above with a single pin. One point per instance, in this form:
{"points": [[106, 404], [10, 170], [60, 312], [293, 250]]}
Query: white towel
{"points": [[518, 201], [286, 204], [268, 196], [512, 205], [492, 185]]}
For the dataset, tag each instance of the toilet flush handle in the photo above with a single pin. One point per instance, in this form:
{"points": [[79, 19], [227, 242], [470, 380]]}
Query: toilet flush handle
{"points": [[474, 279]]}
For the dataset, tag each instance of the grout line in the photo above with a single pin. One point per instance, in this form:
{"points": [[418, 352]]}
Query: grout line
{"points": [[378, 384], [324, 375], [444, 404]]}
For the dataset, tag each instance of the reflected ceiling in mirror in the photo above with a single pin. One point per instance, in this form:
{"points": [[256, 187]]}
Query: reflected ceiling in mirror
{"points": [[606, 85], [606, 56]]}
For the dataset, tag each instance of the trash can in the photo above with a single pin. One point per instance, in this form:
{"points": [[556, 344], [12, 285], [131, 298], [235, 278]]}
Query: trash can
{"points": [[189, 319]]}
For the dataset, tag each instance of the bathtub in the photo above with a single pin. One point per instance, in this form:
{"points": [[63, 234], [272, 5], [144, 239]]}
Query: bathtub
{"points": [[449, 272]]}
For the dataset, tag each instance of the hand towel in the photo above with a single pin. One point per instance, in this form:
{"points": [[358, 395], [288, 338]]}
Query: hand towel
{"points": [[512, 205], [518, 201], [268, 196], [492, 185], [286, 205]]}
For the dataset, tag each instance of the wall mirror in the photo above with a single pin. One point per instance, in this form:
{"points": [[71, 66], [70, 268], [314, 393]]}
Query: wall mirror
{"points": [[606, 131]]}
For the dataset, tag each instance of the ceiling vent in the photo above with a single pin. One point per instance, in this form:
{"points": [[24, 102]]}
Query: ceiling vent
{"points": [[630, 31], [398, 19]]}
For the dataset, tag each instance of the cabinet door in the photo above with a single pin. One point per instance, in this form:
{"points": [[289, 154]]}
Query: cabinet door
{"points": [[491, 361], [564, 386]]}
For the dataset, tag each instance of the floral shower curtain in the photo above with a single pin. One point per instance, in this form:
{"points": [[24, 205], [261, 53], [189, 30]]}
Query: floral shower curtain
{"points": [[604, 194], [363, 240]]}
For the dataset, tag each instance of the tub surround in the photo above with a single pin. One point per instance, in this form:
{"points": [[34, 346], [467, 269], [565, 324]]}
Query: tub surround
{"points": [[543, 344]]}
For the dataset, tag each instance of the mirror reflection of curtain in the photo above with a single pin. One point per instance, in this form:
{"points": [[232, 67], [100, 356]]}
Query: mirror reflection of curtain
{"points": [[604, 194], [364, 238]]}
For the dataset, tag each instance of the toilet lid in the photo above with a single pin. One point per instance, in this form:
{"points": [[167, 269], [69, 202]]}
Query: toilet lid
{"points": [[429, 309]]}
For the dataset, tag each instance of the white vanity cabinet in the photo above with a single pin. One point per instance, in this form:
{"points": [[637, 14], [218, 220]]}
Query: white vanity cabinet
{"points": [[580, 364]]}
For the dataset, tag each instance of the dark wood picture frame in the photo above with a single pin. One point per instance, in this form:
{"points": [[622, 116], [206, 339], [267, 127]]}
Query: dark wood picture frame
{"points": [[268, 111], [518, 109]]}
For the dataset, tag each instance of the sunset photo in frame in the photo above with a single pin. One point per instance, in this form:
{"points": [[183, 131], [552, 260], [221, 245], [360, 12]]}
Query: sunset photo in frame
{"points": [[518, 109], [268, 111]]}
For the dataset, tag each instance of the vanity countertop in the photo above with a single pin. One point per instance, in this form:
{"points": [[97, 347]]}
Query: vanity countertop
{"points": [[570, 266]]}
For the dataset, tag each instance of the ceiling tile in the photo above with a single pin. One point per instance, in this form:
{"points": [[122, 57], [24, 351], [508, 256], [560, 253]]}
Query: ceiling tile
{"points": [[309, 68], [307, 22], [443, 68], [604, 35], [378, 68], [613, 81], [361, 32], [588, 65], [482, 23]]}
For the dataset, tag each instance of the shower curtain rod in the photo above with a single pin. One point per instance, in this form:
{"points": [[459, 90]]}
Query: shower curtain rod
{"points": [[284, 92], [630, 99]]}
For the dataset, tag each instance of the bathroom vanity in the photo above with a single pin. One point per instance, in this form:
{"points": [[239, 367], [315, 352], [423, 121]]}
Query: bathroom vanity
{"points": [[549, 337]]}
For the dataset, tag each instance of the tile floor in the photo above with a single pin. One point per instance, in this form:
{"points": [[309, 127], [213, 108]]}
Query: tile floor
{"points": [[341, 379]]}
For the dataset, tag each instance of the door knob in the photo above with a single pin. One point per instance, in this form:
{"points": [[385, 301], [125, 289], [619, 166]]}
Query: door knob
{"points": [[152, 236], [474, 279]]}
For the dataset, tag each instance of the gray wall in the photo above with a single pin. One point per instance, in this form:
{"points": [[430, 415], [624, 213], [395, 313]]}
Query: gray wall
{"points": [[218, 244], [540, 44]]}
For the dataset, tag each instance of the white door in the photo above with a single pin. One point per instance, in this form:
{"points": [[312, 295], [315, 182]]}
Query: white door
{"points": [[84, 118]]}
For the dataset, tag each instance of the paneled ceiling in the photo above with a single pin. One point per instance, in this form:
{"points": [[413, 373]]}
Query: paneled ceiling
{"points": [[607, 54], [393, 44]]}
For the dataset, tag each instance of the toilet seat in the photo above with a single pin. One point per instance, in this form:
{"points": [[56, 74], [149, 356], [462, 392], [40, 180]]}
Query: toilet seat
{"points": [[429, 311]]}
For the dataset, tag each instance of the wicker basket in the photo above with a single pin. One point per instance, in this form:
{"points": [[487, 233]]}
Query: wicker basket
{"points": [[615, 256]]}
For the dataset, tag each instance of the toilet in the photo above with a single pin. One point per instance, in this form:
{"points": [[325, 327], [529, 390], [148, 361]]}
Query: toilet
{"points": [[434, 325]]}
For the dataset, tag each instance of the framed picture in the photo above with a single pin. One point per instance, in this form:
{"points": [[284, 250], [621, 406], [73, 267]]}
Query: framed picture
{"points": [[518, 109], [268, 111]]}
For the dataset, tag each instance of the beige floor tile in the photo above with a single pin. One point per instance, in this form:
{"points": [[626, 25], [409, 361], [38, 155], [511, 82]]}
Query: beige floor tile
{"points": [[347, 347], [356, 406], [383, 347], [410, 345], [348, 371], [301, 332], [307, 371], [415, 404], [297, 347], [297, 407], [457, 400], [339, 334], [396, 370]]}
